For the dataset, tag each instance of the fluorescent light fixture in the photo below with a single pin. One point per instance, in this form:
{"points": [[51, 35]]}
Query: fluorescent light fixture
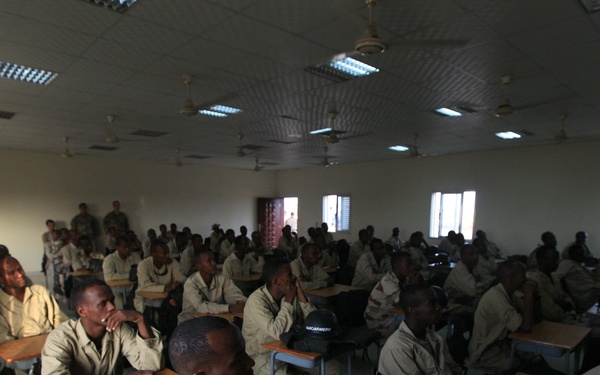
{"points": [[208, 112], [320, 131], [398, 148], [220, 111], [353, 67], [508, 135], [26, 74], [119, 6], [448, 112]]}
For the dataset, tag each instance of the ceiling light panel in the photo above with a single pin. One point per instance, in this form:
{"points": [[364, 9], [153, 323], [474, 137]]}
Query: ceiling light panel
{"points": [[353, 67], [320, 131], [119, 6], [448, 112], [508, 135], [26, 74], [398, 148]]}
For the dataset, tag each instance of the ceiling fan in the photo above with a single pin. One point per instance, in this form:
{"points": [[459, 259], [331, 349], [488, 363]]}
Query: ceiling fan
{"points": [[414, 150], [67, 153], [189, 109], [240, 153], [561, 136], [257, 168], [111, 134], [505, 108]]}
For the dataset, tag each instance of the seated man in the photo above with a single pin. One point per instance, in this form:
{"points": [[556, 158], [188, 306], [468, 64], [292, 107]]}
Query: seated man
{"points": [[485, 260], [372, 266], [135, 245], [272, 310], [306, 269], [54, 263], [157, 273], [24, 310], [70, 250], [387, 293], [117, 266], [493, 250], [414, 348], [207, 291], [111, 239], [227, 246], [497, 315], [419, 261], [186, 263], [467, 280], [151, 237], [288, 242], [328, 255], [326, 233], [394, 241], [81, 259], [178, 246], [97, 342], [358, 248], [548, 240], [447, 244], [240, 263], [257, 246], [556, 304], [581, 240], [209, 345], [579, 281]]}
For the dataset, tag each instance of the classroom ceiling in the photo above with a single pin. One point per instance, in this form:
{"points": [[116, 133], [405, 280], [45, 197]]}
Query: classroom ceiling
{"points": [[254, 55]]}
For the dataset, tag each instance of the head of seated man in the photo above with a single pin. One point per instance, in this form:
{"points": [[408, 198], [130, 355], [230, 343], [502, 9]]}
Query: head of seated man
{"points": [[577, 254], [242, 246], [122, 247], [415, 240], [377, 249], [549, 239], [310, 254], [204, 259], [547, 258], [209, 346], [363, 236], [181, 241], [12, 277], [159, 251], [421, 308], [469, 255], [401, 267]]}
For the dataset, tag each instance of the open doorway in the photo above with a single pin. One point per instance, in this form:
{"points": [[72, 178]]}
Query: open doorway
{"points": [[290, 212]]}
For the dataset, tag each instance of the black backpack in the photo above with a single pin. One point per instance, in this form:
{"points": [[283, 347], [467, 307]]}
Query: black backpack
{"points": [[168, 312], [350, 308]]}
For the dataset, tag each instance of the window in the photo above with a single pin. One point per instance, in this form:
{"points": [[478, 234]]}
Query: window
{"points": [[452, 211], [336, 212]]}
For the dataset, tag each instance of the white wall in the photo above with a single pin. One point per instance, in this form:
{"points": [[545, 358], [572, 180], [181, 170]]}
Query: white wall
{"points": [[37, 186], [520, 193]]}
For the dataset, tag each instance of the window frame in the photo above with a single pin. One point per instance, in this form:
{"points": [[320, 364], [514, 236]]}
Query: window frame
{"points": [[460, 218], [324, 213]]}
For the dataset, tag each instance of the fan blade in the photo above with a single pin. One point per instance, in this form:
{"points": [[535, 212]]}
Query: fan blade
{"points": [[428, 44]]}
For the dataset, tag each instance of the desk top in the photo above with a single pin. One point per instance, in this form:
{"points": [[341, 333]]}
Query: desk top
{"points": [[153, 296], [451, 306], [280, 346], [251, 277], [119, 283], [228, 316], [558, 335], [166, 371], [18, 350], [84, 273], [330, 291]]}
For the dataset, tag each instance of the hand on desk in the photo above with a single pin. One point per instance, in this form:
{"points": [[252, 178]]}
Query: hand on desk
{"points": [[237, 308], [174, 284]]}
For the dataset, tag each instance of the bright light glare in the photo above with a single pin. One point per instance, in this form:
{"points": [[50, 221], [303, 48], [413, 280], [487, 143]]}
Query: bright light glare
{"points": [[26, 74], [320, 131], [353, 67], [398, 148], [508, 135], [448, 112]]}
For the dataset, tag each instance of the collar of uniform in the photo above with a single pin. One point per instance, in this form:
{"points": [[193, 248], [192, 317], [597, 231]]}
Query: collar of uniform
{"points": [[84, 340]]}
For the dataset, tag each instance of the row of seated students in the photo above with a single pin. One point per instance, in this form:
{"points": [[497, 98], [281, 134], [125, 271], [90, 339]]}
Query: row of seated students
{"points": [[514, 269]]}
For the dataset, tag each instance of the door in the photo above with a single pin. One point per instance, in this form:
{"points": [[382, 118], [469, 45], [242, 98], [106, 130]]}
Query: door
{"points": [[270, 220]]}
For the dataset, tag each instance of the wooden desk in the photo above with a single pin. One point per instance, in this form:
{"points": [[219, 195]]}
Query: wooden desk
{"points": [[153, 299], [22, 349], [399, 311], [84, 273], [303, 359], [552, 339], [228, 316], [330, 291], [247, 278], [120, 283]]}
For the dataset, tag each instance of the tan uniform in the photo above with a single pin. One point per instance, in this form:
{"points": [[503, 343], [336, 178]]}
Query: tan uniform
{"points": [[264, 321], [356, 251], [385, 294], [550, 292], [68, 350], [462, 282], [368, 272], [115, 268], [233, 266], [311, 278], [80, 260], [292, 245], [227, 248], [417, 258], [151, 279], [69, 252], [38, 314], [579, 283], [404, 353], [488, 264], [495, 316], [213, 299]]}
